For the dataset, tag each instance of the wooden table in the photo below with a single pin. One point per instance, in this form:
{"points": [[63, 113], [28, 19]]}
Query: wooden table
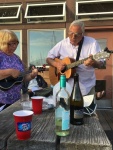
{"points": [[89, 136]]}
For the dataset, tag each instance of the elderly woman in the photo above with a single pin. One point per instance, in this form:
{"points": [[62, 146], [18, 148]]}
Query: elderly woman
{"points": [[11, 69]]}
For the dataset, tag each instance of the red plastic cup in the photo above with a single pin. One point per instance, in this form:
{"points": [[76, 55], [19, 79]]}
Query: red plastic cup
{"points": [[23, 120], [37, 104]]}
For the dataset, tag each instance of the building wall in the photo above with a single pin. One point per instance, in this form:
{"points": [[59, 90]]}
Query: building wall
{"points": [[98, 26], [70, 16]]}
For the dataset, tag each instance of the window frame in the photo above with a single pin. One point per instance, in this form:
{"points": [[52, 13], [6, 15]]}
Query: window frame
{"points": [[12, 17], [77, 3], [44, 16], [20, 42], [77, 15]]}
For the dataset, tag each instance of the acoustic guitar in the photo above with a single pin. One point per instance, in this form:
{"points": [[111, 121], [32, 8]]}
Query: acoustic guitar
{"points": [[8, 82], [69, 70]]}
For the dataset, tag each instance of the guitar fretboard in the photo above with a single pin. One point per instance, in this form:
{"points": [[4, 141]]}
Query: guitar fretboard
{"points": [[100, 55], [75, 64], [22, 74]]}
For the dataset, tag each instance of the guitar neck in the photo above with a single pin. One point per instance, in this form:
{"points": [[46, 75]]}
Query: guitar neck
{"points": [[40, 69], [104, 54], [75, 64], [22, 74]]}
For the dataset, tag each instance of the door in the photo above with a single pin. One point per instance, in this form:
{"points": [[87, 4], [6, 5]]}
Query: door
{"points": [[105, 39]]}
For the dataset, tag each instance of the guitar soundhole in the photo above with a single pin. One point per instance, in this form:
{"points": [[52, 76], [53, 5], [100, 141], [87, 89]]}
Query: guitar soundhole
{"points": [[63, 70]]}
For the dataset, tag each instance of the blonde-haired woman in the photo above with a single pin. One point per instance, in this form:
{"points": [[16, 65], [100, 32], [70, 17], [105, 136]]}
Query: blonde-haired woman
{"points": [[11, 68]]}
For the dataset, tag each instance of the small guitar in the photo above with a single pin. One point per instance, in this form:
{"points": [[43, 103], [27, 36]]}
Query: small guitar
{"points": [[54, 74], [8, 82]]}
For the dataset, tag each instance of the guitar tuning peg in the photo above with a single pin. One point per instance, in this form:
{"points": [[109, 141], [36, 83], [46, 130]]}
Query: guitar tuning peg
{"points": [[44, 65], [107, 50]]}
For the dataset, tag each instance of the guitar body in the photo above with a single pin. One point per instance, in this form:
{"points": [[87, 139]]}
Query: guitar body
{"points": [[54, 73], [7, 83]]}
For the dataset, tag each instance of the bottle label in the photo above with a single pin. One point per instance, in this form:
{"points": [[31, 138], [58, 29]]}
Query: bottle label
{"points": [[65, 120], [24, 126], [65, 117], [58, 112], [78, 114]]}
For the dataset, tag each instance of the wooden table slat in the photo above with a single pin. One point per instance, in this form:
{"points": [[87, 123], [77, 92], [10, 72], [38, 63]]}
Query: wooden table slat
{"points": [[103, 120]]}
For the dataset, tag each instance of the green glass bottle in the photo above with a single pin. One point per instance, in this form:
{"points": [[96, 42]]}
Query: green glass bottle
{"points": [[62, 110], [76, 103]]}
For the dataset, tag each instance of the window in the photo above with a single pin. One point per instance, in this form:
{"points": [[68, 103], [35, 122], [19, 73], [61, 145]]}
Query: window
{"points": [[40, 42], [94, 9], [10, 13], [19, 47], [49, 12]]}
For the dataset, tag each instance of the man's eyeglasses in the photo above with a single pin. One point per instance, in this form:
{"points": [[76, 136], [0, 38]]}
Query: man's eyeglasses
{"points": [[75, 34], [13, 44]]}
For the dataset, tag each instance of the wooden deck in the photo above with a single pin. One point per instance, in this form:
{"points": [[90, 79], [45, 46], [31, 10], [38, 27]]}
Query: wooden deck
{"points": [[106, 120]]}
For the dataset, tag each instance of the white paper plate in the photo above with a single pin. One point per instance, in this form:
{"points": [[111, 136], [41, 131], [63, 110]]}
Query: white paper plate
{"points": [[28, 105]]}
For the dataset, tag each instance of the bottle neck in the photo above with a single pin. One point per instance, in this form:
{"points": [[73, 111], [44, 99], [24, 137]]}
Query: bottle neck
{"points": [[62, 83], [76, 78], [63, 88]]}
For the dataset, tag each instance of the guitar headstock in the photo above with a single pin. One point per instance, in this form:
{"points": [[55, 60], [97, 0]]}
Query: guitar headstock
{"points": [[103, 54], [41, 69]]}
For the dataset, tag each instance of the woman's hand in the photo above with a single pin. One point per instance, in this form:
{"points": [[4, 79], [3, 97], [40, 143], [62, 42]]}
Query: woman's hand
{"points": [[14, 73], [9, 72]]}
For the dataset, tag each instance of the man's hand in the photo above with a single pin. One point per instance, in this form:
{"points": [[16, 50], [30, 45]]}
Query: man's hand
{"points": [[60, 66], [90, 61]]}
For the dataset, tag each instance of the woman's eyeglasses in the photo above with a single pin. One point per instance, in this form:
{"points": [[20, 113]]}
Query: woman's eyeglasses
{"points": [[13, 44]]}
